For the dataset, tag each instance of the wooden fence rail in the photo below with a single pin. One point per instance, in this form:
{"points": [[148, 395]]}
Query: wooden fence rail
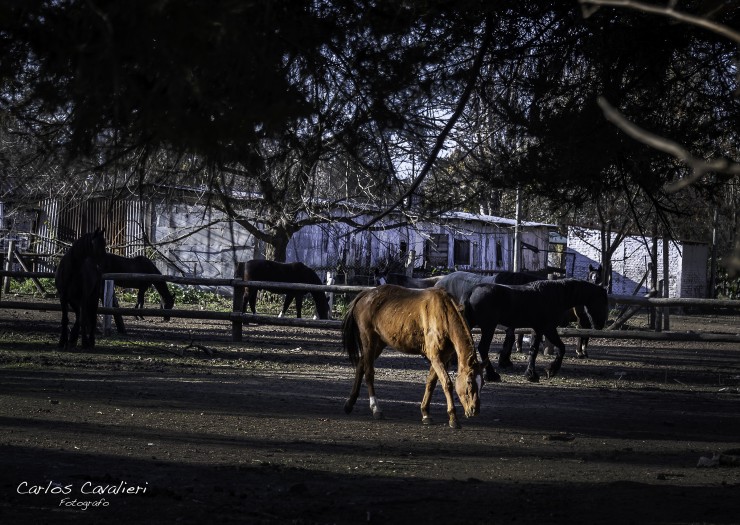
{"points": [[237, 319]]}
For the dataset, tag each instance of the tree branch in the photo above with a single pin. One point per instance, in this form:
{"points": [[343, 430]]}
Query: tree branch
{"points": [[699, 167], [664, 11], [442, 137]]}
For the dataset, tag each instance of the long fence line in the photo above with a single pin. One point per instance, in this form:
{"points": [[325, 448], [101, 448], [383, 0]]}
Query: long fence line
{"points": [[238, 319]]}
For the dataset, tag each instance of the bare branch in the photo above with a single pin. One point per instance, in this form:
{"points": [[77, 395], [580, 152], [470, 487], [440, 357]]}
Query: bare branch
{"points": [[473, 73], [699, 167], [664, 11]]}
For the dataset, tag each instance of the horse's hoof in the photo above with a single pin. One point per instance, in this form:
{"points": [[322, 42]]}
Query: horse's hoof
{"points": [[532, 376], [505, 363], [454, 424], [348, 407], [426, 420], [493, 377], [378, 415], [551, 373]]}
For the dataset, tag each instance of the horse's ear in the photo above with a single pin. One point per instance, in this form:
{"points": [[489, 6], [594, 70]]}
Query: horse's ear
{"points": [[591, 268]]}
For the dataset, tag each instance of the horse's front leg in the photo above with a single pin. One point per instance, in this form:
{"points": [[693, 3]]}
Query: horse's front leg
{"points": [[504, 358], [251, 300], [531, 374], [429, 390], [552, 335], [286, 304], [520, 343], [64, 336], [444, 378], [370, 382], [140, 300], [486, 336]]}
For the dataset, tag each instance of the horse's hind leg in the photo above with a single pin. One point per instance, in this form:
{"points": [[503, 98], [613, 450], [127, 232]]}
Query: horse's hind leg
{"points": [[431, 383], [370, 382], [355, 392], [531, 374], [371, 349]]}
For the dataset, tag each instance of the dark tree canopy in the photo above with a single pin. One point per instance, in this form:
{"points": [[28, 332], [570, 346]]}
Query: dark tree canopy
{"points": [[285, 97]]}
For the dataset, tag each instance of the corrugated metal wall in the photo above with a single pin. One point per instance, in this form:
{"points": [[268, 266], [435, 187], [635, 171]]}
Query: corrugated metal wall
{"points": [[125, 221]]}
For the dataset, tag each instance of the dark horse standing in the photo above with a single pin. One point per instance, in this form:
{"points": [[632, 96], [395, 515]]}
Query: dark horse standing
{"points": [[77, 279], [538, 305], [139, 264], [263, 270], [458, 284]]}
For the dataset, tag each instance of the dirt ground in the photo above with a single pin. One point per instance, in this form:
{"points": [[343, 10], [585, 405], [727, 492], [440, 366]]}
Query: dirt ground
{"points": [[174, 424]]}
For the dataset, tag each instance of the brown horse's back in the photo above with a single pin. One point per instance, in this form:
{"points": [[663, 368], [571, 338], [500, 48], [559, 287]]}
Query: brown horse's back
{"points": [[409, 319]]}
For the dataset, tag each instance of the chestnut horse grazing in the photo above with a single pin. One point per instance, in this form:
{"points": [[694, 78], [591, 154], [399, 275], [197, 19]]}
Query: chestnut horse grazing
{"points": [[423, 322]]}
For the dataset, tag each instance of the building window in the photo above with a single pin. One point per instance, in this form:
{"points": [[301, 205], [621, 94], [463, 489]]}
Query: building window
{"points": [[499, 254], [462, 252], [436, 249]]}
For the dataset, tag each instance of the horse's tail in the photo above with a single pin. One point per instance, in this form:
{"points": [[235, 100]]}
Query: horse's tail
{"points": [[351, 333]]}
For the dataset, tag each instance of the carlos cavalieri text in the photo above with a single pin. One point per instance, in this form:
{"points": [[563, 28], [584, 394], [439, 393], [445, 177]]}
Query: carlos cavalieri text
{"points": [[87, 487]]}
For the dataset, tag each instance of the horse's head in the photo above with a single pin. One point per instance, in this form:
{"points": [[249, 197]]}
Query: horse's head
{"points": [[97, 247], [168, 300], [468, 385], [597, 276], [322, 304]]}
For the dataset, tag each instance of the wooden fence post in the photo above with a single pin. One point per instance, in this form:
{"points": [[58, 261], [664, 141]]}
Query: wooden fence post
{"points": [[108, 303], [330, 282], [8, 265], [238, 302]]}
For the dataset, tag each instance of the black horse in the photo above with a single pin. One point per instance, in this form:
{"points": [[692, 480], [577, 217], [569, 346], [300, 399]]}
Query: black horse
{"points": [[271, 271], [538, 305], [458, 284], [77, 279], [139, 264]]}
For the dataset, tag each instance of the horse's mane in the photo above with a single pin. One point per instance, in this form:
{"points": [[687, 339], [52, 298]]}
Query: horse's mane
{"points": [[456, 320]]}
